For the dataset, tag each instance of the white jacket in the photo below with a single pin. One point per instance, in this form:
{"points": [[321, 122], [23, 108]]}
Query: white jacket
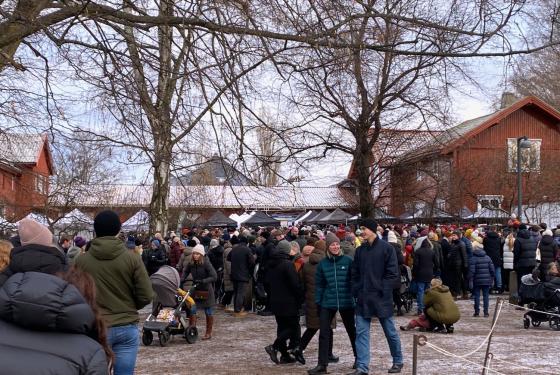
{"points": [[508, 256]]}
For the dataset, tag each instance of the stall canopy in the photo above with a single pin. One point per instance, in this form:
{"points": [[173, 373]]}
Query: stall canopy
{"points": [[315, 219], [139, 222], [304, 216], [41, 219], [218, 219], [260, 219], [6, 226], [378, 214], [76, 221], [336, 217]]}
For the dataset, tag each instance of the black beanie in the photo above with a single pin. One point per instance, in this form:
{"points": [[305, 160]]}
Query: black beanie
{"points": [[106, 223], [369, 224]]}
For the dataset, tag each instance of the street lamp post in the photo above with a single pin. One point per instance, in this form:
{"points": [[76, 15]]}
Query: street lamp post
{"points": [[522, 142]]}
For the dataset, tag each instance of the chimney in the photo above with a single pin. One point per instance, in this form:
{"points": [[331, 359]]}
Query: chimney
{"points": [[508, 98]]}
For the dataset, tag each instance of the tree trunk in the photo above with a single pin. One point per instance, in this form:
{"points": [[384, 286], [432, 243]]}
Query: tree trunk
{"points": [[362, 162], [159, 205]]}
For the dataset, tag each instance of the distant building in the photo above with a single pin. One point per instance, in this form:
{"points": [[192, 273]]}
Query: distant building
{"points": [[25, 167], [215, 171]]}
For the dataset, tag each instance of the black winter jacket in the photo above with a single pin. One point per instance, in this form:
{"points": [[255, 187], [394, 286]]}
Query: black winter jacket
{"points": [[286, 292], [242, 263], [524, 251], [44, 327], [424, 263], [34, 258], [400, 261], [457, 256], [549, 250], [493, 248]]}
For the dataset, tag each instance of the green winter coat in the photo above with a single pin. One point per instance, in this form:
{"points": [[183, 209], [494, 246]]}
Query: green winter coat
{"points": [[440, 305], [123, 285], [332, 283]]}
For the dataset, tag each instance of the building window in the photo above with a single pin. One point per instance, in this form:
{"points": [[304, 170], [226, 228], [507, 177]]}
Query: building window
{"points": [[13, 183], [489, 201], [530, 157], [440, 204], [40, 184]]}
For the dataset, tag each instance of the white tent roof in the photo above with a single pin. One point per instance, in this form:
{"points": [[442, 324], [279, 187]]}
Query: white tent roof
{"points": [[300, 219], [6, 225], [41, 219], [140, 221], [75, 218], [241, 218]]}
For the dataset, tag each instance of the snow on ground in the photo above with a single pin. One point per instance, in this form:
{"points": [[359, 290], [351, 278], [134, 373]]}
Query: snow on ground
{"points": [[237, 347]]}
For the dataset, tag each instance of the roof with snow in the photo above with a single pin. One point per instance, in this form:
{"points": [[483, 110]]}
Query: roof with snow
{"points": [[247, 197], [18, 148]]}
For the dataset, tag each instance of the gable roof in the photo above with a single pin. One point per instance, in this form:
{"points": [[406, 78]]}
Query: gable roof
{"points": [[219, 170], [19, 149], [456, 136]]}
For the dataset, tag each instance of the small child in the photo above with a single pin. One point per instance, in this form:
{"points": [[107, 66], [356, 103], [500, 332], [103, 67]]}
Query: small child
{"points": [[481, 276]]}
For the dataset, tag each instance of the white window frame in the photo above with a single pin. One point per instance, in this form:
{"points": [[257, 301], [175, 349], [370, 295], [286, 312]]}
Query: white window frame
{"points": [[527, 155], [489, 197], [441, 204]]}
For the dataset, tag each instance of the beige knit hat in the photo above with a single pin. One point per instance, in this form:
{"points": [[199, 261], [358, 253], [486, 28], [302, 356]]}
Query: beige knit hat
{"points": [[199, 249], [31, 232]]}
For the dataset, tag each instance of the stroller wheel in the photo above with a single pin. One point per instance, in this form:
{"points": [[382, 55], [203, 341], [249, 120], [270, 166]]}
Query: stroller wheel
{"points": [[554, 323], [526, 323], [147, 338], [163, 338], [191, 334], [535, 323]]}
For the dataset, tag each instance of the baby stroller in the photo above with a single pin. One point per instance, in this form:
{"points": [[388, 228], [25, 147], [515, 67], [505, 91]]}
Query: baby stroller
{"points": [[407, 297], [171, 307], [541, 297]]}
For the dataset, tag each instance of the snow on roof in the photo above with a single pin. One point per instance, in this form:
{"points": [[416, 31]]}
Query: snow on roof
{"points": [[249, 197], [74, 218], [137, 222], [18, 148], [41, 219]]}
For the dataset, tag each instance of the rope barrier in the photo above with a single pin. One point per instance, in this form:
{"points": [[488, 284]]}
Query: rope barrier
{"points": [[524, 367], [529, 309], [448, 354]]}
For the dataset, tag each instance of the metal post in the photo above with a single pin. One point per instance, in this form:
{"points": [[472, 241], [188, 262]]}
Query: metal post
{"points": [[519, 197], [498, 303], [414, 354]]}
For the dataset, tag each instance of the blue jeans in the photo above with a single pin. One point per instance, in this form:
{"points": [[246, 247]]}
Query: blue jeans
{"points": [[124, 342], [362, 341], [498, 281], [485, 292], [422, 287], [207, 310]]}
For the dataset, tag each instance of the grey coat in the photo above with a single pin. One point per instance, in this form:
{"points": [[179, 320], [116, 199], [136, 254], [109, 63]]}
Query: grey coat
{"points": [[228, 284], [207, 275]]}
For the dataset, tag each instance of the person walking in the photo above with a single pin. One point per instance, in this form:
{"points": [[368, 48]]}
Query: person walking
{"points": [[374, 272], [242, 263], [286, 297], [333, 294], [123, 288], [204, 276]]}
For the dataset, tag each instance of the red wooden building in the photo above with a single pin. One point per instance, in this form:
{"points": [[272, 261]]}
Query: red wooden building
{"points": [[473, 164], [25, 167]]}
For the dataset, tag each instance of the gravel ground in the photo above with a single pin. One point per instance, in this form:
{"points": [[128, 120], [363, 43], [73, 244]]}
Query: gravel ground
{"points": [[237, 347]]}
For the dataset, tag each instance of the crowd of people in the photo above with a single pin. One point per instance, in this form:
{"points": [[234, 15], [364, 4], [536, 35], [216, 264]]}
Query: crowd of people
{"points": [[357, 272]]}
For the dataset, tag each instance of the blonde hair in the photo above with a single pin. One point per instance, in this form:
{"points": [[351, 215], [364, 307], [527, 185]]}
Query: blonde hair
{"points": [[510, 240], [295, 246], [5, 250]]}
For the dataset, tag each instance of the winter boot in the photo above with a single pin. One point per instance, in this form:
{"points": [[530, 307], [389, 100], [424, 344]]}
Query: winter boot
{"points": [[319, 369], [209, 324], [192, 321], [298, 355]]}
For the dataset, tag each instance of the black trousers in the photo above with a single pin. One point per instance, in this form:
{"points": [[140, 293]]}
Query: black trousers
{"points": [[325, 336], [308, 335], [287, 328], [239, 291], [397, 298], [454, 278]]}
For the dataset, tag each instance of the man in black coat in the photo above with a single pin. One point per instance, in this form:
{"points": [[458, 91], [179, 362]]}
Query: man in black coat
{"points": [[493, 248], [456, 263], [524, 254], [242, 263], [37, 252], [423, 271], [286, 297]]}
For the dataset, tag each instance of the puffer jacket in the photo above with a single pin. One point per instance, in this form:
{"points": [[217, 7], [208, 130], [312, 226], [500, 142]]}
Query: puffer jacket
{"points": [[308, 276], [44, 328], [333, 284], [493, 248], [481, 269], [524, 250], [457, 256], [549, 251], [34, 258], [440, 306], [508, 255]]}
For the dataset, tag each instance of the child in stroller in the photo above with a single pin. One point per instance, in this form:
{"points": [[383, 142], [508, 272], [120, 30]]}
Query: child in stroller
{"points": [[170, 308], [544, 297], [407, 297]]}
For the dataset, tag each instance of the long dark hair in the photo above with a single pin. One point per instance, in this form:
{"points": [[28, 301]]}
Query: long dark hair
{"points": [[85, 284]]}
